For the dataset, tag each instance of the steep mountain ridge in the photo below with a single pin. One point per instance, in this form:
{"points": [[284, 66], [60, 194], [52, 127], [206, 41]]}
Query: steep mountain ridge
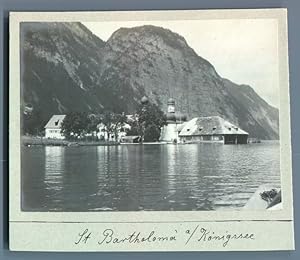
{"points": [[67, 68]]}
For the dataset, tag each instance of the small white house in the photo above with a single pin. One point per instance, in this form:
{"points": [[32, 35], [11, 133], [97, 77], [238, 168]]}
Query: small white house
{"points": [[53, 127]]}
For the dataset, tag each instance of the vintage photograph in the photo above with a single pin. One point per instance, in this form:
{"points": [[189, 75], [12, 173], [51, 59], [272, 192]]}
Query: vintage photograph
{"points": [[170, 115]]}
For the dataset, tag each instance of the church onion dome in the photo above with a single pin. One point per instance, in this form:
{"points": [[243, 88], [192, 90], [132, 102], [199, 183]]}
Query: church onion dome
{"points": [[171, 117], [144, 100], [180, 117], [171, 101], [176, 117]]}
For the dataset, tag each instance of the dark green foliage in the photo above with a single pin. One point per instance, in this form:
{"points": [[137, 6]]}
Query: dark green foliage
{"points": [[113, 122], [152, 133], [93, 121], [135, 129], [33, 123], [79, 125], [148, 122], [75, 125]]}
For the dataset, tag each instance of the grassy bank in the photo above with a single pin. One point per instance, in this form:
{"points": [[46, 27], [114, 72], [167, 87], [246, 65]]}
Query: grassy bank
{"points": [[32, 140]]}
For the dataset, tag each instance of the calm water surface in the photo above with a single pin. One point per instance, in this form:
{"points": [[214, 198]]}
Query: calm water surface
{"points": [[146, 177]]}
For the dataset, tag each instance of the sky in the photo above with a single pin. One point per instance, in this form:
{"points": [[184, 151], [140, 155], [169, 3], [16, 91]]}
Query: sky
{"points": [[244, 51]]}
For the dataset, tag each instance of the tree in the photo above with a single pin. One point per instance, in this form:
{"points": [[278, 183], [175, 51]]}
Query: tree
{"points": [[148, 122], [113, 122], [119, 122], [75, 125], [33, 123], [92, 124], [152, 133], [134, 127]]}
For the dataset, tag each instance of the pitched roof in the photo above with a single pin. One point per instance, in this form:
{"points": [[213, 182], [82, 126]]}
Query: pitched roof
{"points": [[180, 126], [212, 125], [55, 121]]}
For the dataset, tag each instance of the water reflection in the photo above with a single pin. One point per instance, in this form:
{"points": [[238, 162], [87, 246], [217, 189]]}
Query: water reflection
{"points": [[80, 179], [54, 168], [146, 177]]}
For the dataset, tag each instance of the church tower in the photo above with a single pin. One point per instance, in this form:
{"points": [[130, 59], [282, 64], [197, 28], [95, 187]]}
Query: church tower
{"points": [[169, 132], [171, 105]]}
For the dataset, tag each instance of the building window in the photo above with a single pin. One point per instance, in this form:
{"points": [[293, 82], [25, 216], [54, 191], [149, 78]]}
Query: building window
{"points": [[54, 131], [187, 129], [229, 128], [214, 128]]}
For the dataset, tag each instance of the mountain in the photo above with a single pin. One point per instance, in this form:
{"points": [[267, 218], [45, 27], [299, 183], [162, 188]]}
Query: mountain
{"points": [[67, 68], [60, 67]]}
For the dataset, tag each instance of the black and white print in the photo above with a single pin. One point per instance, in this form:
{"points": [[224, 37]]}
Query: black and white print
{"points": [[178, 115]]}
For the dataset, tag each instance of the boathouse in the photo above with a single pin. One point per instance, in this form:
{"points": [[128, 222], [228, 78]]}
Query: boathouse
{"points": [[53, 127], [212, 129]]}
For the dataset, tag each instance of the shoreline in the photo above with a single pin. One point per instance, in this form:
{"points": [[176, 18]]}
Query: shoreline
{"points": [[41, 141]]}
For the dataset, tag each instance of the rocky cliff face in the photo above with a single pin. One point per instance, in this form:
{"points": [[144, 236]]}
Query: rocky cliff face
{"points": [[60, 68], [67, 68]]}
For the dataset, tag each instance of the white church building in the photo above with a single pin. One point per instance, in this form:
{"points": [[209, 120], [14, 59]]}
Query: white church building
{"points": [[175, 123], [212, 129]]}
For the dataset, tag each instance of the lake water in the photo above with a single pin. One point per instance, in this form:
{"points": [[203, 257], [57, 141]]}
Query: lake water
{"points": [[146, 177]]}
